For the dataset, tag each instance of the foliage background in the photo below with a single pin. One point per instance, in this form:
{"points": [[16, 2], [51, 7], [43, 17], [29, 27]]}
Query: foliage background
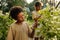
{"points": [[49, 27]]}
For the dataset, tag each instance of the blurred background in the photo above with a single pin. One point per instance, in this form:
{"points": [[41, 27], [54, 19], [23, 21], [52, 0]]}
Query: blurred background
{"points": [[49, 25], [5, 5]]}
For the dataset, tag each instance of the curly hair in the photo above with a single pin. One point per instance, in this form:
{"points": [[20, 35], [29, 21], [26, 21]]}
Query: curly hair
{"points": [[14, 11], [37, 4]]}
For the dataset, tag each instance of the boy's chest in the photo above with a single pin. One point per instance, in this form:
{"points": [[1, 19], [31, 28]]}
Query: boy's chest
{"points": [[21, 28]]}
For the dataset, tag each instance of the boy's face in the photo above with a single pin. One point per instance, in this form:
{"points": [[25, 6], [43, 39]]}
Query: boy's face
{"points": [[37, 7], [20, 17]]}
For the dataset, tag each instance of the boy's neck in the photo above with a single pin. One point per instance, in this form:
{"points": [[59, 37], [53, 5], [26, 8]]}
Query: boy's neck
{"points": [[37, 9], [19, 22]]}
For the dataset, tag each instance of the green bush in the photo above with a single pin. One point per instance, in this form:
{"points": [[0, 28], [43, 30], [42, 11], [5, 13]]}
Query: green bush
{"points": [[4, 25], [49, 24]]}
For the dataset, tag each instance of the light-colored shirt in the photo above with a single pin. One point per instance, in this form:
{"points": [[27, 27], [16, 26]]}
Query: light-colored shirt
{"points": [[35, 14], [19, 32]]}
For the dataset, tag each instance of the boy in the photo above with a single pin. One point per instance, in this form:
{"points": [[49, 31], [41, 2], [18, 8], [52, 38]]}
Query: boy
{"points": [[38, 6], [20, 29], [36, 16]]}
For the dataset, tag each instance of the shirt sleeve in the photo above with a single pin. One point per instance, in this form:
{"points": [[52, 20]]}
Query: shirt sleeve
{"points": [[31, 32], [10, 34], [33, 15], [29, 29]]}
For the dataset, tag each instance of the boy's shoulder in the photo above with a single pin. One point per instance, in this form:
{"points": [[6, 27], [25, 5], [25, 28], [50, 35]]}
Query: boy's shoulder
{"points": [[25, 22], [13, 24], [34, 11]]}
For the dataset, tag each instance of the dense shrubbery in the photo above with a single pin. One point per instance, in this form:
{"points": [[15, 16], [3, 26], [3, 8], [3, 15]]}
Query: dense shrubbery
{"points": [[49, 24], [4, 25]]}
